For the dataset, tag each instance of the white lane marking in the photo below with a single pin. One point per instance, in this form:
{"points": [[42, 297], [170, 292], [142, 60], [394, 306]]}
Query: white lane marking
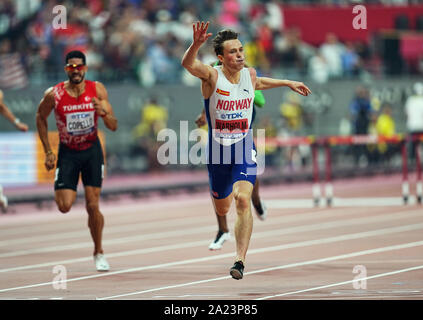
{"points": [[305, 203], [292, 265], [191, 295], [166, 234], [253, 251], [342, 283], [133, 226], [257, 235], [158, 235], [275, 204], [308, 203], [19, 223], [113, 255]]}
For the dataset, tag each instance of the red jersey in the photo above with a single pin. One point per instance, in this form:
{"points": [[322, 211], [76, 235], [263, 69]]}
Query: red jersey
{"points": [[76, 118]]}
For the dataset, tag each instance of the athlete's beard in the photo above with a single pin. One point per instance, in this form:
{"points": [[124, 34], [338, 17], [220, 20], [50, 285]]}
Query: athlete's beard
{"points": [[82, 76]]}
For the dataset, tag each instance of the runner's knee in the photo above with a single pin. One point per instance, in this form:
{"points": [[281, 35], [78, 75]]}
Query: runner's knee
{"points": [[222, 209], [222, 212], [92, 207], [64, 206], [242, 200]]}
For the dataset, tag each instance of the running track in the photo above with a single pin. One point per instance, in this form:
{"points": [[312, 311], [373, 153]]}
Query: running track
{"points": [[157, 248]]}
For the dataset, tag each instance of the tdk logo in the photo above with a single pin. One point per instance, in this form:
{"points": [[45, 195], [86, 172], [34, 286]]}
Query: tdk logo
{"points": [[80, 116], [231, 115]]}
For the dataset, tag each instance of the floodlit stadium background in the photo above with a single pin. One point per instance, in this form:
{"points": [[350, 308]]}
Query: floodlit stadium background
{"points": [[159, 219], [135, 47]]}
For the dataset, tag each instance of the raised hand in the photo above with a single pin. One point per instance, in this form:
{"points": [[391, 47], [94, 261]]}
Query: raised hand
{"points": [[200, 34], [300, 88]]}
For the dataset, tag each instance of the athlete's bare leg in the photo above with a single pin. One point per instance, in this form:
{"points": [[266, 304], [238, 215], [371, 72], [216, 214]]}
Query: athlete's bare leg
{"points": [[222, 206], [259, 207], [244, 222], [64, 199], [95, 217], [255, 196], [222, 221]]}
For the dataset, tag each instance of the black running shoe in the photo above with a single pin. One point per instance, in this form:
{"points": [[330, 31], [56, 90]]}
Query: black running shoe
{"points": [[237, 271]]}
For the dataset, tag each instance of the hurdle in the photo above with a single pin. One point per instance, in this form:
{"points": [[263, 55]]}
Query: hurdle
{"points": [[405, 186], [328, 174], [417, 138], [419, 187], [314, 145], [328, 142], [316, 173], [419, 174], [375, 139]]}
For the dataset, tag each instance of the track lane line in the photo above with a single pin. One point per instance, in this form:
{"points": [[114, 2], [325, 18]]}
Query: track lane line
{"points": [[342, 283], [175, 222], [251, 252], [197, 230], [292, 265], [257, 235]]}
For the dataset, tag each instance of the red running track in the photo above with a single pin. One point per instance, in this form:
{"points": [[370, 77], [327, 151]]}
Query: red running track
{"points": [[157, 249]]}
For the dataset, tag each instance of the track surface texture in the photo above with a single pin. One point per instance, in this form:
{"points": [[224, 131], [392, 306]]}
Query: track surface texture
{"points": [[368, 245]]}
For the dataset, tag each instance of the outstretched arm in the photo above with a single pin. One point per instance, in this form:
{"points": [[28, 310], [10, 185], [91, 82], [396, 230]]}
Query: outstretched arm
{"points": [[5, 111], [263, 83]]}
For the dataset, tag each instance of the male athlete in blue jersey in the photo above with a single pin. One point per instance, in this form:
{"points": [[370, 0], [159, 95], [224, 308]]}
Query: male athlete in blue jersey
{"points": [[228, 93]]}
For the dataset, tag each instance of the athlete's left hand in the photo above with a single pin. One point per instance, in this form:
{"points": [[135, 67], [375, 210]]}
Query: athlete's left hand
{"points": [[98, 107], [299, 87], [201, 120]]}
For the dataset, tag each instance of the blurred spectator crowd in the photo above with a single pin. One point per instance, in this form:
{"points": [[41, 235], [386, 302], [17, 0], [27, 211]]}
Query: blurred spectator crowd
{"points": [[143, 40]]}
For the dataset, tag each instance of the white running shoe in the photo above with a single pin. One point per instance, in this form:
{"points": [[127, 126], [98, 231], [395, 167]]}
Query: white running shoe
{"points": [[261, 212], [101, 263], [220, 239]]}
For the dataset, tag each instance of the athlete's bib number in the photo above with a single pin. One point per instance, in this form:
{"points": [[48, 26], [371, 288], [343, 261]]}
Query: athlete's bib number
{"points": [[80, 122]]}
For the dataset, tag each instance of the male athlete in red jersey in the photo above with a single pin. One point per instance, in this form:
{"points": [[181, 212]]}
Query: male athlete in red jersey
{"points": [[77, 104]]}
